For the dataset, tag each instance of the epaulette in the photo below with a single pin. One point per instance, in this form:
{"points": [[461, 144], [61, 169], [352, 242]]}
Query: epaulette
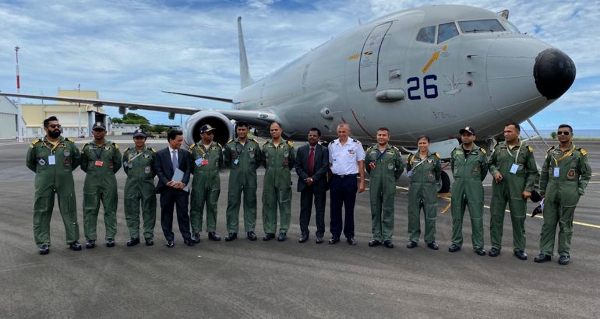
{"points": [[116, 145], [530, 148], [70, 140], [231, 140], [550, 149], [255, 140], [265, 144], [219, 145], [126, 150], [356, 141], [410, 157], [394, 147], [483, 150], [153, 150], [37, 140], [192, 146], [290, 143], [583, 152], [437, 155]]}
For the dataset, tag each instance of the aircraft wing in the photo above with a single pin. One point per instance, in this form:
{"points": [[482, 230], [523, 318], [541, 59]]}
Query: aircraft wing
{"points": [[252, 117]]}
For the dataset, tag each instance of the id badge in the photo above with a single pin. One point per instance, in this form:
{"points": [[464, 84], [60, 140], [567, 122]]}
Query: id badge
{"points": [[372, 165], [204, 161], [236, 161], [557, 172], [51, 160], [514, 168], [409, 173], [198, 161], [99, 163]]}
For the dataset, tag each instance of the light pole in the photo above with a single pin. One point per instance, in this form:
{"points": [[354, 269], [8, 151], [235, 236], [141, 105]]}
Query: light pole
{"points": [[19, 115], [79, 111]]}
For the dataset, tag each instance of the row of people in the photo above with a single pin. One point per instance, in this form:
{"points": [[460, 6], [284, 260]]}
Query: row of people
{"points": [[340, 168]]}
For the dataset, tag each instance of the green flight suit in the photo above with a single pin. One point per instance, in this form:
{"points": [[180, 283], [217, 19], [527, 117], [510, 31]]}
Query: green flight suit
{"points": [[277, 185], [100, 164], [469, 171], [243, 161], [384, 169], [139, 190], [206, 186], [422, 193], [562, 195], [53, 178], [510, 190]]}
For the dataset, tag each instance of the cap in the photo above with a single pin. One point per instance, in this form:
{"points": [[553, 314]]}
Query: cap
{"points": [[537, 210], [139, 133], [99, 125], [468, 129], [535, 196], [206, 128]]}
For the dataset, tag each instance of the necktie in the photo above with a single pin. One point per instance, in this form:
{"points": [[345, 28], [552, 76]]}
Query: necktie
{"points": [[174, 160], [311, 161]]}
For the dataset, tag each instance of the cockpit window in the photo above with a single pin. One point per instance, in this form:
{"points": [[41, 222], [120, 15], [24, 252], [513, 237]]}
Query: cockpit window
{"points": [[447, 31], [426, 34], [488, 25], [511, 27]]}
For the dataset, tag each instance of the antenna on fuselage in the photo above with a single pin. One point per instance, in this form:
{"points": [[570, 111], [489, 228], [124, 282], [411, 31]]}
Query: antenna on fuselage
{"points": [[246, 79]]}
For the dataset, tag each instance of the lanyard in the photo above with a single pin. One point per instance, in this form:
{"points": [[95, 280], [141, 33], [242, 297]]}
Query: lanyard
{"points": [[138, 154], [516, 157], [563, 157], [99, 155], [240, 152], [54, 146], [421, 162], [380, 155]]}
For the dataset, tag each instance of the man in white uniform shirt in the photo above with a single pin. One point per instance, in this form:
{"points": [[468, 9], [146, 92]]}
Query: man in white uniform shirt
{"points": [[346, 159]]}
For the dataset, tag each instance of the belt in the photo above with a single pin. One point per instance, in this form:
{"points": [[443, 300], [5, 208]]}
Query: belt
{"points": [[344, 176]]}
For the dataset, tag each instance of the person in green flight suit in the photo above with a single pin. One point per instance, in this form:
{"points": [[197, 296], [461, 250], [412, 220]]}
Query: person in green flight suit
{"points": [[565, 175], [138, 164], [243, 157], [424, 169], [514, 170], [100, 160], [279, 157], [206, 159], [53, 159], [385, 166], [469, 168]]}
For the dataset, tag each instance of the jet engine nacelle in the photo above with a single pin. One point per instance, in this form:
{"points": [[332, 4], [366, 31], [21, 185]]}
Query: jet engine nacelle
{"points": [[224, 129]]}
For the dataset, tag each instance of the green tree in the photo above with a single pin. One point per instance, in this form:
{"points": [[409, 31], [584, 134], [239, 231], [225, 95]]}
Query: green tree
{"points": [[132, 118], [117, 120], [553, 135], [146, 127]]}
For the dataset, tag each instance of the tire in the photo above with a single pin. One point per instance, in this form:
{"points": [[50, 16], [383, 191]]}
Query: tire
{"points": [[444, 183]]}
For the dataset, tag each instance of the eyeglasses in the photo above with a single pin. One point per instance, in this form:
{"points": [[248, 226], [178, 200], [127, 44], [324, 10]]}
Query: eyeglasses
{"points": [[563, 133], [54, 126]]}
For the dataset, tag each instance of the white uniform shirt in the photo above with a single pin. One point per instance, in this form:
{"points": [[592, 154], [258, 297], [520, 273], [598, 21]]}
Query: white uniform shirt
{"points": [[344, 158]]}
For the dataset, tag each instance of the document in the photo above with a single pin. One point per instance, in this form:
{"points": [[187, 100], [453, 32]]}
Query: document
{"points": [[178, 177]]}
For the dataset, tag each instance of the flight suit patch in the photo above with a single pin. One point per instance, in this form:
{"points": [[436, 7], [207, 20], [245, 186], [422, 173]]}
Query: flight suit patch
{"points": [[147, 169], [476, 170], [66, 153], [42, 162], [390, 165], [571, 173]]}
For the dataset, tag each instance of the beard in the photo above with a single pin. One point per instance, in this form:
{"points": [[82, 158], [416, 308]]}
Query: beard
{"points": [[54, 133]]}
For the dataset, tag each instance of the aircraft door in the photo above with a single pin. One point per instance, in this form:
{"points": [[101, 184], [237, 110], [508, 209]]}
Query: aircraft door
{"points": [[369, 58]]}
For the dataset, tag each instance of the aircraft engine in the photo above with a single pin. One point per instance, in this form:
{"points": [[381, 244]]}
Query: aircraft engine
{"points": [[224, 129]]}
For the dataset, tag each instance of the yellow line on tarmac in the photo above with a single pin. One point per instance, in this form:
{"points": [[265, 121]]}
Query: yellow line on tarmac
{"points": [[446, 208]]}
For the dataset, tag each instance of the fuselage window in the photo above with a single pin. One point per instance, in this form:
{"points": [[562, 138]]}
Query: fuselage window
{"points": [[426, 34], [489, 25], [447, 31]]}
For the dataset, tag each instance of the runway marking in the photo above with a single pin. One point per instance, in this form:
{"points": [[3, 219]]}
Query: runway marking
{"points": [[446, 208]]}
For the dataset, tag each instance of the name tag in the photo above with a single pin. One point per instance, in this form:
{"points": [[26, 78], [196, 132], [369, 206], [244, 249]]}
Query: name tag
{"points": [[556, 171], [372, 165], [204, 161], [99, 163], [51, 160], [514, 168], [198, 161]]}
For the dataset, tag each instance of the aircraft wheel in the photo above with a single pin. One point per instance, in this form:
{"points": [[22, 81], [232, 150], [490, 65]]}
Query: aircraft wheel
{"points": [[444, 183]]}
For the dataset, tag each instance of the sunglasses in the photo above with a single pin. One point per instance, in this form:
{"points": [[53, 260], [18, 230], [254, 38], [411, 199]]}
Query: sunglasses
{"points": [[208, 133], [563, 133], [54, 126]]}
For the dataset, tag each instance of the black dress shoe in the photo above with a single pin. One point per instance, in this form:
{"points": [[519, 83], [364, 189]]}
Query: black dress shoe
{"points": [[303, 238], [411, 244], [334, 240], [149, 242], [319, 240], [453, 248], [494, 252], [90, 244], [110, 242], [542, 258], [251, 236], [213, 236], [388, 244], [351, 241], [268, 236], [480, 251], [170, 243], [282, 237], [188, 242], [520, 254], [231, 236], [433, 245], [75, 246], [133, 241], [195, 238], [374, 242], [45, 249], [564, 260]]}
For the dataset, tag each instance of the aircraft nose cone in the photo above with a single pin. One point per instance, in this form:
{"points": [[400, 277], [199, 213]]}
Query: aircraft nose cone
{"points": [[554, 72]]}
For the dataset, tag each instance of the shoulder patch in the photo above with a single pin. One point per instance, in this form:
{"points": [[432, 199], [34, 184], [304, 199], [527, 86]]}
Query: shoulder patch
{"points": [[483, 151], [126, 150], [116, 145], [397, 149], [231, 140], [254, 140], [437, 155], [70, 140], [153, 150], [583, 152], [530, 148], [37, 140], [290, 143], [192, 146]]}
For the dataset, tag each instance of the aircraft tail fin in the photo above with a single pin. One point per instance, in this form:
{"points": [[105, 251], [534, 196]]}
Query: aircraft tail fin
{"points": [[246, 79]]}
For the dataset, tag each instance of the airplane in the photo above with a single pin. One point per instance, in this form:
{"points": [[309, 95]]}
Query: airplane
{"points": [[425, 71]]}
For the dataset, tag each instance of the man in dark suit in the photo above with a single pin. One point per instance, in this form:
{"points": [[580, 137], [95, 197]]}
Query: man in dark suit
{"points": [[312, 164], [172, 192]]}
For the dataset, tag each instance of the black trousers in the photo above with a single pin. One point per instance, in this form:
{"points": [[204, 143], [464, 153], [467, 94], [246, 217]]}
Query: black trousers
{"points": [[306, 202], [343, 193], [178, 198]]}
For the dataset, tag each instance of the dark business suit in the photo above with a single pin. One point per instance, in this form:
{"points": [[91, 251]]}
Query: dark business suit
{"points": [[317, 189], [170, 196]]}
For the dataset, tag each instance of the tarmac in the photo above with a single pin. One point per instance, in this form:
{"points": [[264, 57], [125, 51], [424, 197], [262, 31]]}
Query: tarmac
{"points": [[244, 279]]}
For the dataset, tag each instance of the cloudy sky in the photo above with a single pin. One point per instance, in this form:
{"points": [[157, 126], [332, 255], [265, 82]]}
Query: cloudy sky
{"points": [[131, 50]]}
